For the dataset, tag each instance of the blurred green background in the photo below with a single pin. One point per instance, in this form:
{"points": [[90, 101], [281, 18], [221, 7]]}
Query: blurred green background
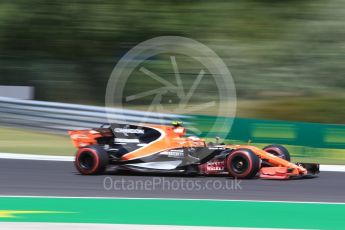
{"points": [[286, 57]]}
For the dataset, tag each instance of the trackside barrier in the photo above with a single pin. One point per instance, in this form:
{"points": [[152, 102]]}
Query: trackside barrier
{"points": [[292, 133], [60, 117]]}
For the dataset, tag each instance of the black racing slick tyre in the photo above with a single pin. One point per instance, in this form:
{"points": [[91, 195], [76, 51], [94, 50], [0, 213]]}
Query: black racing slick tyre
{"points": [[279, 151], [243, 164], [91, 160]]}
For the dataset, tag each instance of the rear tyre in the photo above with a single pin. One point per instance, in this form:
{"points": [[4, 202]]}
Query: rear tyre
{"points": [[91, 160], [243, 164], [279, 151]]}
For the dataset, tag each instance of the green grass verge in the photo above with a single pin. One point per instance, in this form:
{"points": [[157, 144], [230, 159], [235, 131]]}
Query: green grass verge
{"points": [[13, 140]]}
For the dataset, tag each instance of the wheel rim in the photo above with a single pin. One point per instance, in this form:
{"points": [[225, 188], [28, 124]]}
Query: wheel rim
{"points": [[86, 161], [239, 164]]}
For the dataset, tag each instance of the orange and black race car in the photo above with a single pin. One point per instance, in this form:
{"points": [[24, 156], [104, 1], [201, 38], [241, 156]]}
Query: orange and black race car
{"points": [[163, 148]]}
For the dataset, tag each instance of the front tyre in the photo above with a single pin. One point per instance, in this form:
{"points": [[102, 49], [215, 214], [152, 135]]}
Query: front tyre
{"points": [[91, 160], [243, 164], [279, 151]]}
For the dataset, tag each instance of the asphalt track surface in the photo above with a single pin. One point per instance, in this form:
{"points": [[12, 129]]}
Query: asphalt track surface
{"points": [[49, 178]]}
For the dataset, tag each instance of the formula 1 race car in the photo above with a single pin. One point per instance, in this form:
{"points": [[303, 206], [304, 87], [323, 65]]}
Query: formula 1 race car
{"points": [[161, 148]]}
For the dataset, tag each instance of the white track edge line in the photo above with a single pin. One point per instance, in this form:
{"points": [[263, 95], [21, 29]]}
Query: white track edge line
{"points": [[332, 168], [173, 199], [19, 156]]}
